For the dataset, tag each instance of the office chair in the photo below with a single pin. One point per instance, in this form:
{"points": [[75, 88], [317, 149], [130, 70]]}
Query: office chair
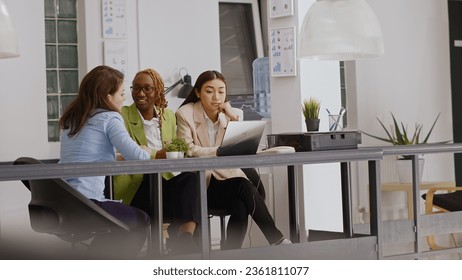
{"points": [[253, 176], [443, 202], [57, 208]]}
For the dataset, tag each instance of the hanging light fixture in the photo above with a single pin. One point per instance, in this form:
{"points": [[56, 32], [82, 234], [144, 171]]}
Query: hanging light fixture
{"points": [[340, 30], [8, 40]]}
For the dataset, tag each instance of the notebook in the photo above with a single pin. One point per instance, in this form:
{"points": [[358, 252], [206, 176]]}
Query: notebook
{"points": [[241, 138]]}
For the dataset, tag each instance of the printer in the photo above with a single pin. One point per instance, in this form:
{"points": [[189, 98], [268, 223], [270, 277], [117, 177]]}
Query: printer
{"points": [[316, 141]]}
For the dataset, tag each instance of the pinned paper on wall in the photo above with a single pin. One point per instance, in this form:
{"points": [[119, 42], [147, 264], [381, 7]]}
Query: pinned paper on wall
{"points": [[114, 19], [283, 51], [115, 55], [281, 8]]}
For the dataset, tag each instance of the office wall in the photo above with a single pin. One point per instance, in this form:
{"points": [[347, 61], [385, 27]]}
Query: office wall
{"points": [[412, 79], [319, 79], [23, 108], [176, 34]]}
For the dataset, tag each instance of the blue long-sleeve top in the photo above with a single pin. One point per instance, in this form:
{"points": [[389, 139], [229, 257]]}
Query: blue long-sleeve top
{"points": [[97, 141]]}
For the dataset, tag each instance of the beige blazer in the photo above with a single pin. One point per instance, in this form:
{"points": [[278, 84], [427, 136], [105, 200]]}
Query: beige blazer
{"points": [[192, 126]]}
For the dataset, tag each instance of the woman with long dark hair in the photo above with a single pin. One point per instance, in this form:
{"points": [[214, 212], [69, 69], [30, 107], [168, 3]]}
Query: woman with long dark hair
{"points": [[202, 120], [92, 131]]}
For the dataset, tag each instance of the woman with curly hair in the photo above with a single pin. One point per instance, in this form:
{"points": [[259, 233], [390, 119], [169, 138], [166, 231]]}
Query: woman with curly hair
{"points": [[149, 122]]}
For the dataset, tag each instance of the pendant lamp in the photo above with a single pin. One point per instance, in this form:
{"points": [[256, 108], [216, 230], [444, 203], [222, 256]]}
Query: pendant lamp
{"points": [[8, 40], [340, 30]]}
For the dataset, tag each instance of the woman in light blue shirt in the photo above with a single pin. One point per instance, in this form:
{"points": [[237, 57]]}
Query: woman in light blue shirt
{"points": [[92, 131]]}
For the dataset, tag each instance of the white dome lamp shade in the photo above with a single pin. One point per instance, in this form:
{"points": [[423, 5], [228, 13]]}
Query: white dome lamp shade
{"points": [[8, 40], [340, 30]]}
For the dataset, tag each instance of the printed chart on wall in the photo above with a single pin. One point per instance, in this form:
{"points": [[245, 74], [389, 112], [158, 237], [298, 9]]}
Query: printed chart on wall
{"points": [[115, 55], [114, 19], [283, 51]]}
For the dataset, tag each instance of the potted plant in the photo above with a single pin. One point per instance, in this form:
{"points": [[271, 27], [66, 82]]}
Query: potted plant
{"points": [[310, 110], [176, 148], [398, 134]]}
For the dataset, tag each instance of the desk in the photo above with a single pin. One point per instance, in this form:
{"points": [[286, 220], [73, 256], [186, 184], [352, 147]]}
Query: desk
{"points": [[358, 247], [12, 172], [408, 188]]}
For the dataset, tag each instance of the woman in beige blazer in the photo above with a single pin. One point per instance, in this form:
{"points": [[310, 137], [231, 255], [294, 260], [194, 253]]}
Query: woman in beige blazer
{"points": [[202, 120]]}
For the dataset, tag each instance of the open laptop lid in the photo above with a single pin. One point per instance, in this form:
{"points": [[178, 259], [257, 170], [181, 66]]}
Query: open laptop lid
{"points": [[241, 138]]}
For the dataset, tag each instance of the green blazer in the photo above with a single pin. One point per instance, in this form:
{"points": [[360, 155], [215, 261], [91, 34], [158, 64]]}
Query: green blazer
{"points": [[126, 186]]}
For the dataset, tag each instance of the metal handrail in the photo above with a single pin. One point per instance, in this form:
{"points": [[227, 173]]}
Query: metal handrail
{"points": [[17, 172]]}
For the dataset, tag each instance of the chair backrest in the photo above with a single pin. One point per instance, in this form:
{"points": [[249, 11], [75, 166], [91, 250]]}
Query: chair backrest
{"points": [[57, 208], [451, 201]]}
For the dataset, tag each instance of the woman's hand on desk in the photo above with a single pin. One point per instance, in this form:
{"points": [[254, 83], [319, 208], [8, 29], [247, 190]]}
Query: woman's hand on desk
{"points": [[161, 154], [119, 157]]}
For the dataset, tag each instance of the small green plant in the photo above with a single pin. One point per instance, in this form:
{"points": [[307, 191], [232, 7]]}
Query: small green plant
{"points": [[399, 135], [310, 108], [177, 145]]}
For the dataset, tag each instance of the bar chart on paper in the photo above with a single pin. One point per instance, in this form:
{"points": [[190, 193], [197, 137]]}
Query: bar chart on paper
{"points": [[283, 51]]}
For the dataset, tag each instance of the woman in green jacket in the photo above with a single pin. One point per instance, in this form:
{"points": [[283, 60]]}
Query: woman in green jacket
{"points": [[150, 123]]}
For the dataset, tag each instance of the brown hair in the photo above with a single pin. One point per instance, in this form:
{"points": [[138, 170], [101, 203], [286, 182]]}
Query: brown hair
{"points": [[201, 80], [158, 83], [93, 91]]}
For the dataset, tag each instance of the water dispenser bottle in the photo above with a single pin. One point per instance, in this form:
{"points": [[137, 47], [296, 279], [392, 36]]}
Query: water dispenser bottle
{"points": [[261, 86]]}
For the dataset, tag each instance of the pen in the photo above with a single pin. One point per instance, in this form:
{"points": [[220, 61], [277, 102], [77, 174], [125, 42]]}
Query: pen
{"points": [[340, 115]]}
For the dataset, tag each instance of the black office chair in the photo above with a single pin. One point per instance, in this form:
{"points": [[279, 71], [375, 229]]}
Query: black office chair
{"points": [[440, 203], [253, 176], [57, 208]]}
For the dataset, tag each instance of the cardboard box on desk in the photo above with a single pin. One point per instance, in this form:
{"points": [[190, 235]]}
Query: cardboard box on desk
{"points": [[316, 141]]}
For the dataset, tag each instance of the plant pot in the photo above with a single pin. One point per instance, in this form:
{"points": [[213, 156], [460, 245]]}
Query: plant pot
{"points": [[404, 169], [312, 124], [173, 155]]}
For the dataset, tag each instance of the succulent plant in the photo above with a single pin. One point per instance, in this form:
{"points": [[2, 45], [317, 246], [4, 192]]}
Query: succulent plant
{"points": [[399, 134]]}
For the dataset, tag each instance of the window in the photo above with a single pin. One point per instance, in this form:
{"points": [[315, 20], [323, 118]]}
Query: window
{"points": [[240, 45], [61, 60]]}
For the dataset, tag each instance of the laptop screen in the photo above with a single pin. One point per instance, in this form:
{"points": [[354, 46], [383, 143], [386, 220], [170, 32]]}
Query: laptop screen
{"points": [[241, 138]]}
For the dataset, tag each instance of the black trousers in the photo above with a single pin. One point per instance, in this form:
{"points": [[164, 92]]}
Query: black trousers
{"points": [[179, 198], [239, 196]]}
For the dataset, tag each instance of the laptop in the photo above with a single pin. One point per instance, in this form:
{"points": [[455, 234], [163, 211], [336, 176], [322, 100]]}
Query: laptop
{"points": [[241, 138]]}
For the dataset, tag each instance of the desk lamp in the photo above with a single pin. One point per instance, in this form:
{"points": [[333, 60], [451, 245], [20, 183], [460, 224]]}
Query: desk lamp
{"points": [[340, 30], [185, 81], [8, 40]]}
